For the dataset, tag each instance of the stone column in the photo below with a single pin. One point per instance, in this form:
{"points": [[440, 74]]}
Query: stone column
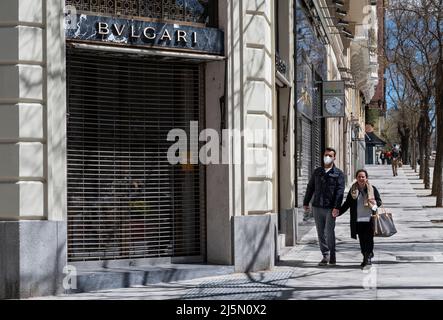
{"points": [[241, 194], [287, 194], [248, 182], [32, 145]]}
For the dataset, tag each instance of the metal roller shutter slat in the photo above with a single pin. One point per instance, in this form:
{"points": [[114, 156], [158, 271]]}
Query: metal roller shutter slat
{"points": [[124, 199]]}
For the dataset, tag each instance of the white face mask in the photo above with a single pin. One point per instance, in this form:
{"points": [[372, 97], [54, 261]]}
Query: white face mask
{"points": [[328, 160]]}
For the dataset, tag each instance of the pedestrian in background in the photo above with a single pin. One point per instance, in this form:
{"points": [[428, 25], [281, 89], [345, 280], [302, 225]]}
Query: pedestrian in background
{"points": [[363, 199], [382, 157], [326, 187], [388, 157], [395, 159]]}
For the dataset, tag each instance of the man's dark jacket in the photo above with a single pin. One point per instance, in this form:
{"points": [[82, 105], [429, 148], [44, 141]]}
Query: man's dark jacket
{"points": [[352, 204], [327, 188]]}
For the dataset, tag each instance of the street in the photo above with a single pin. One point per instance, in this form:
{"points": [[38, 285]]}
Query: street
{"points": [[407, 265]]}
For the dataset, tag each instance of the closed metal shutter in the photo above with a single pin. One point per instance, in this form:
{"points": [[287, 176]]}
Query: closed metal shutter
{"points": [[305, 157], [316, 131], [125, 201]]}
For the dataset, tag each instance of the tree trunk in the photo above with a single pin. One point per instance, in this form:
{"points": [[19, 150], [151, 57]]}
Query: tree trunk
{"points": [[421, 148], [427, 171], [414, 152], [427, 151], [437, 182], [404, 142], [436, 178]]}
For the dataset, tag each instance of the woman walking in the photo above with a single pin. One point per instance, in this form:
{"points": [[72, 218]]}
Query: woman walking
{"points": [[363, 199]]}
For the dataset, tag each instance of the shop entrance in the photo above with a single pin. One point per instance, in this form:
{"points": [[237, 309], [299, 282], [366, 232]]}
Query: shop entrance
{"points": [[125, 200]]}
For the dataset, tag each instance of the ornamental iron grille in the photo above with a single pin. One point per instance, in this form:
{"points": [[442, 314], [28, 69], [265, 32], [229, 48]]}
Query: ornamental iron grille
{"points": [[191, 11], [280, 64]]}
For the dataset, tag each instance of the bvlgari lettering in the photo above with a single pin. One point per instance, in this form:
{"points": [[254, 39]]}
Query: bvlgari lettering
{"points": [[166, 35], [103, 28], [149, 33], [119, 32], [133, 33], [181, 36]]}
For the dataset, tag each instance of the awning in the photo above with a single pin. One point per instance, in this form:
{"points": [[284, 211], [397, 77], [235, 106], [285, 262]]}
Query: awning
{"points": [[372, 139]]}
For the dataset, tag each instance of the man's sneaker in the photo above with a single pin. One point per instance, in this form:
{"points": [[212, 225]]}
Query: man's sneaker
{"points": [[332, 262], [323, 262]]}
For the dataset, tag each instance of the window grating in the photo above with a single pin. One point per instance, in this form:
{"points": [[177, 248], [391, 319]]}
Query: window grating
{"points": [[125, 201], [193, 11]]}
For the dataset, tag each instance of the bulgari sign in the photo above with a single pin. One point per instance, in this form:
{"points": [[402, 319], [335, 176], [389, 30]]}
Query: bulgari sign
{"points": [[145, 33]]}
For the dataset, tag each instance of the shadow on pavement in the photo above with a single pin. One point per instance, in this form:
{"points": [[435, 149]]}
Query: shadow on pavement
{"points": [[304, 264]]}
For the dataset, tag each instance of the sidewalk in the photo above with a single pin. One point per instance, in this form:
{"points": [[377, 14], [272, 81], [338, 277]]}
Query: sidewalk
{"points": [[408, 265]]}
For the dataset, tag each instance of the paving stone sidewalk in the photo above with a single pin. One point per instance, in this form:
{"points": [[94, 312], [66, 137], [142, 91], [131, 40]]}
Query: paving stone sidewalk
{"points": [[408, 265]]}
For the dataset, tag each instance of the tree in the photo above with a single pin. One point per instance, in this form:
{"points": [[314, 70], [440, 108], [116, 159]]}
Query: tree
{"points": [[371, 116], [437, 31], [402, 96], [412, 48]]}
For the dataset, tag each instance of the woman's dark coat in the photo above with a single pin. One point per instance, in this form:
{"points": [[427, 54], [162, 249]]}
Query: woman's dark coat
{"points": [[352, 203]]}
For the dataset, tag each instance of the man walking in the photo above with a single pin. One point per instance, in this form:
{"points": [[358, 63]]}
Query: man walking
{"points": [[327, 186], [395, 159]]}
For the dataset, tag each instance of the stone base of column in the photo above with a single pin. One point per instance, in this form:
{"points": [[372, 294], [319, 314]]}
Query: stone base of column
{"points": [[32, 257], [255, 242], [289, 226]]}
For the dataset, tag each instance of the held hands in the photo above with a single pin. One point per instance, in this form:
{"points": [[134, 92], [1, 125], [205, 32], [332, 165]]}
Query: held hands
{"points": [[335, 213]]}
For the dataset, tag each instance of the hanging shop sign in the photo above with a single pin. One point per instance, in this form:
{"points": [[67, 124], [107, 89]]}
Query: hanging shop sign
{"points": [[144, 33], [333, 99]]}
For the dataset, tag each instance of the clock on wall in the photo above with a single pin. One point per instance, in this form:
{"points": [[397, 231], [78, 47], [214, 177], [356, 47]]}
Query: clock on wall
{"points": [[334, 106], [333, 98]]}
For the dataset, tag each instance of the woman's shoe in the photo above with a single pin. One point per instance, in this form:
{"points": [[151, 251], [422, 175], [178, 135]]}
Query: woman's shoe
{"points": [[365, 261]]}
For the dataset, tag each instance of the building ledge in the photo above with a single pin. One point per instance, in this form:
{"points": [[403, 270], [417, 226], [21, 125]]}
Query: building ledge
{"points": [[281, 80]]}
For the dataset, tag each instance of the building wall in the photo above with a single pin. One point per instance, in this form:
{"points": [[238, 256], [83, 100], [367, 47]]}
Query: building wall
{"points": [[248, 183], [33, 113], [32, 145], [286, 162], [250, 53], [334, 126], [219, 207], [258, 72], [379, 94], [32, 110]]}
